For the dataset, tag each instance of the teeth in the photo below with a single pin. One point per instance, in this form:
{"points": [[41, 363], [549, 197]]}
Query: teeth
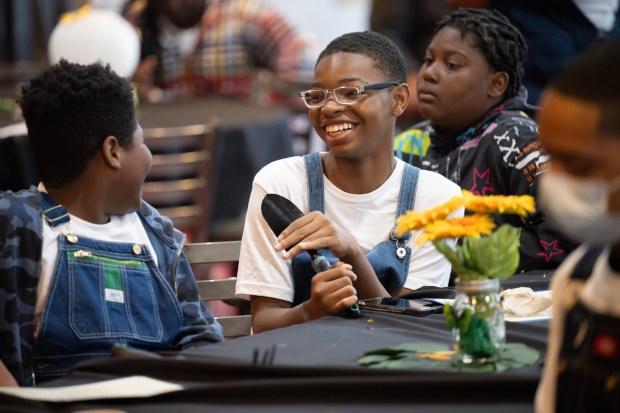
{"points": [[338, 127]]}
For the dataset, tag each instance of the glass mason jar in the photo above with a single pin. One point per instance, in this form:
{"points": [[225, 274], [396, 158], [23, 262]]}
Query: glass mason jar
{"points": [[478, 324]]}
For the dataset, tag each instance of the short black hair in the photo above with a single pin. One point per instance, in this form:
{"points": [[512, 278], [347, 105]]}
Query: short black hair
{"points": [[69, 110], [383, 51], [501, 43], [594, 78]]}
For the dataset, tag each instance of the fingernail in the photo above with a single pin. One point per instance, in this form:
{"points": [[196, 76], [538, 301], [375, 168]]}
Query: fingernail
{"points": [[278, 247], [286, 255]]}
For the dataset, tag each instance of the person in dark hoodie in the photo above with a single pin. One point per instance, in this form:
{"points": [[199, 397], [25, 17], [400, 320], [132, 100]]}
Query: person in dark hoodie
{"points": [[479, 131]]}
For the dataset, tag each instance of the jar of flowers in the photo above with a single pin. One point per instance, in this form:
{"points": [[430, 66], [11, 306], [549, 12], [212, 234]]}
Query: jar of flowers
{"points": [[484, 255]]}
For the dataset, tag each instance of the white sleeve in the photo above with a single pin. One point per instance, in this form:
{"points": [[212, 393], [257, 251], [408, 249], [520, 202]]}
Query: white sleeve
{"points": [[429, 267], [262, 270]]}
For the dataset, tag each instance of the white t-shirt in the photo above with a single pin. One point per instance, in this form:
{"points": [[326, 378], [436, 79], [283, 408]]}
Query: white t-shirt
{"points": [[599, 294], [368, 218], [122, 228], [601, 13]]}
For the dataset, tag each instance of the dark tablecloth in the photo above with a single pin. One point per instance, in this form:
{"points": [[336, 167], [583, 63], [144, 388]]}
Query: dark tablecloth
{"points": [[315, 370]]}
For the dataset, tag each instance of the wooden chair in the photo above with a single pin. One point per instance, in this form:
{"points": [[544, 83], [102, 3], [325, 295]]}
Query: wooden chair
{"points": [[178, 183], [224, 289]]}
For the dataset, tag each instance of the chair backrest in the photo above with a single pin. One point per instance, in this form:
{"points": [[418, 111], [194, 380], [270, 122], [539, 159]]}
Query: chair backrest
{"points": [[222, 289], [178, 183]]}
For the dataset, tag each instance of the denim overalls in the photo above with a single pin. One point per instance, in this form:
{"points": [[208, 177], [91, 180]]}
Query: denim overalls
{"points": [[101, 294], [390, 259]]}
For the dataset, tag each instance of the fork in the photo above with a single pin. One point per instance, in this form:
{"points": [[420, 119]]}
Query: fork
{"points": [[264, 357]]}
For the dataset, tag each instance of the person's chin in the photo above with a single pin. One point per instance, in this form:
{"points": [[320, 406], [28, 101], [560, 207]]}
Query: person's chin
{"points": [[426, 110]]}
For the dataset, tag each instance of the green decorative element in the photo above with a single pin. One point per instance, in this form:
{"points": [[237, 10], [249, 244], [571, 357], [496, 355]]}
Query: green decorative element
{"points": [[434, 356], [493, 256], [474, 338], [474, 334], [448, 313]]}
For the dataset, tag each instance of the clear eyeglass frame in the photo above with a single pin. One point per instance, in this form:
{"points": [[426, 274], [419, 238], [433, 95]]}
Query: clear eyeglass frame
{"points": [[344, 95]]}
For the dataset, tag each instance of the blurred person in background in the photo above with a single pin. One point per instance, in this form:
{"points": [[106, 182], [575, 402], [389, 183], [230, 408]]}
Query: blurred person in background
{"points": [[580, 127], [196, 47], [479, 131], [556, 31], [409, 24]]}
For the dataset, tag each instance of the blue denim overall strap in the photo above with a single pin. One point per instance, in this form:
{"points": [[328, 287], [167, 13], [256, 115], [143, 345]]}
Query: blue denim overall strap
{"points": [[101, 294], [590, 352], [390, 259], [53, 213]]}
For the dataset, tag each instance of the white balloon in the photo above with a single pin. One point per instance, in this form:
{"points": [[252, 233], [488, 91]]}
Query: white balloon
{"points": [[96, 35]]}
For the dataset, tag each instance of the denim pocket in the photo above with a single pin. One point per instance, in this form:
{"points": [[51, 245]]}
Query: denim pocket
{"points": [[113, 298], [391, 270]]}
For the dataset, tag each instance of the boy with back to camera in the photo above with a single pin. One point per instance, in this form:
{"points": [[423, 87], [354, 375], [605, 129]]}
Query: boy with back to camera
{"points": [[84, 263], [479, 131], [580, 127], [351, 195]]}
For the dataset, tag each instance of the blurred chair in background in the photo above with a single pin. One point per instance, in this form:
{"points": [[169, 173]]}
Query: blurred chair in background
{"points": [[215, 291], [179, 182]]}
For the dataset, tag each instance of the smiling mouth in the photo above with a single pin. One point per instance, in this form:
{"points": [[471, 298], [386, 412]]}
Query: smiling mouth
{"points": [[338, 128]]}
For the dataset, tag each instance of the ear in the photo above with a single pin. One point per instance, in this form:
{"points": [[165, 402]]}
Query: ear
{"points": [[111, 152], [401, 99], [498, 84]]}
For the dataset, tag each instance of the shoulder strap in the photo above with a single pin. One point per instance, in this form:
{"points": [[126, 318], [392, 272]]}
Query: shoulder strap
{"points": [[54, 213], [583, 268], [314, 172], [408, 189]]}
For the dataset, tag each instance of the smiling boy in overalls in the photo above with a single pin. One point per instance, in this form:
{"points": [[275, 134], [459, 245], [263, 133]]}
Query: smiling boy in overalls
{"points": [[351, 195], [84, 263]]}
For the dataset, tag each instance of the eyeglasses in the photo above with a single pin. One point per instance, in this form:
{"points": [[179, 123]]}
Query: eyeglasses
{"points": [[345, 95]]}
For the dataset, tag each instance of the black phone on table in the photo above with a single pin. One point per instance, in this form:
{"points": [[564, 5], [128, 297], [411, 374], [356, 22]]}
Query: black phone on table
{"points": [[418, 307]]}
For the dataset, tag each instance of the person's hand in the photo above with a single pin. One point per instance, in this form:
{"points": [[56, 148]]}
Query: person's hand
{"points": [[144, 81], [332, 291], [6, 378], [314, 231]]}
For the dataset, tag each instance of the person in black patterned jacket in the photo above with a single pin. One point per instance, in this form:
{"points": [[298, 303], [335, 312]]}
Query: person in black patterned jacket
{"points": [[84, 263], [479, 132]]}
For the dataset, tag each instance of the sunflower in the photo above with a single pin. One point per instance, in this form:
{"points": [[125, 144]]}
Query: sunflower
{"points": [[499, 204], [415, 220], [468, 226]]}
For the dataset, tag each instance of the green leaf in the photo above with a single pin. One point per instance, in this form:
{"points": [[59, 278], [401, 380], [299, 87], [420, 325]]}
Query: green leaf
{"points": [[372, 359], [520, 353], [495, 256], [404, 356], [475, 339], [456, 256], [450, 318], [449, 252]]}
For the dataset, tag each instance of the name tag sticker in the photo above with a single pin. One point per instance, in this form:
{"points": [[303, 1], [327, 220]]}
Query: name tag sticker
{"points": [[115, 296]]}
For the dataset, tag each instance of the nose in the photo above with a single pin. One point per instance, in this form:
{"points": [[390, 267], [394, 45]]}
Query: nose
{"points": [[428, 72], [331, 104]]}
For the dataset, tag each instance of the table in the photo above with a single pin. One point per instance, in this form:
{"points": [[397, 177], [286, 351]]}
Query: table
{"points": [[314, 370]]}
